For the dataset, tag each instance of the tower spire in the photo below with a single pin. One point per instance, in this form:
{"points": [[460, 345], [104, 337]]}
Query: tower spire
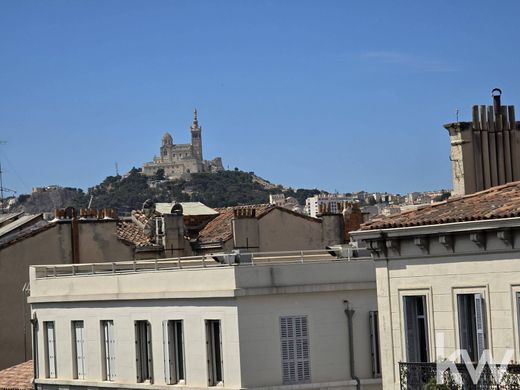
{"points": [[195, 119]]}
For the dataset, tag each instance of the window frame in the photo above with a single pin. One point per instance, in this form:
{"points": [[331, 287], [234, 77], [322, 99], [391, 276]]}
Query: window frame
{"points": [[214, 353], [426, 292], [485, 343], [174, 352], [108, 358], [425, 328], [143, 351], [78, 353], [51, 367]]}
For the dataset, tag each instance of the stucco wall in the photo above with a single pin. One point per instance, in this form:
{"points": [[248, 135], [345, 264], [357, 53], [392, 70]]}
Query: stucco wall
{"points": [[53, 246], [14, 272], [281, 231], [124, 314], [260, 347], [98, 242]]}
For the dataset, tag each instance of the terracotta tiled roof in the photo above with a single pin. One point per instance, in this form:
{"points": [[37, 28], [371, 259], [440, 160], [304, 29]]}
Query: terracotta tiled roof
{"points": [[496, 202], [140, 217], [220, 229], [133, 234], [18, 377]]}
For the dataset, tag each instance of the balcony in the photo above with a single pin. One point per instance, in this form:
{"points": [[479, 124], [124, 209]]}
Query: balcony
{"points": [[422, 376]]}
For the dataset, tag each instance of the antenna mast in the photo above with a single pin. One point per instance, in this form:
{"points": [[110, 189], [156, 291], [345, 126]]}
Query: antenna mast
{"points": [[2, 188]]}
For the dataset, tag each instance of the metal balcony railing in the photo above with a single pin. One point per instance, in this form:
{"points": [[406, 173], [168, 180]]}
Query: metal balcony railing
{"points": [[423, 376], [193, 262]]}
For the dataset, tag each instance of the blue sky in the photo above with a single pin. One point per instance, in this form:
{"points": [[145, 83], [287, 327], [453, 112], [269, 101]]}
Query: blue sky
{"points": [[339, 95]]}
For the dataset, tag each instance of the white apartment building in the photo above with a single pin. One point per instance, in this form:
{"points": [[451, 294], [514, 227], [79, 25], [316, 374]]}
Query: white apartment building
{"points": [[448, 286], [295, 320], [332, 202]]}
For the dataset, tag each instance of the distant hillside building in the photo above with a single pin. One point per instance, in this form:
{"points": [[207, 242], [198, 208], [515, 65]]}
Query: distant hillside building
{"points": [[179, 160], [331, 201]]}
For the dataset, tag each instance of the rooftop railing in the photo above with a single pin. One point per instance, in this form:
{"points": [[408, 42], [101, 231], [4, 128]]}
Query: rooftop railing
{"points": [[196, 262]]}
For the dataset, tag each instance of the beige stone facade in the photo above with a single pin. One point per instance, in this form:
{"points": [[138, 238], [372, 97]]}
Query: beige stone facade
{"points": [[446, 288], [180, 160]]}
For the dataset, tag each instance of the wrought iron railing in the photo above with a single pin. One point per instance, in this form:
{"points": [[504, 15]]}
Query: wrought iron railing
{"points": [[423, 376]]}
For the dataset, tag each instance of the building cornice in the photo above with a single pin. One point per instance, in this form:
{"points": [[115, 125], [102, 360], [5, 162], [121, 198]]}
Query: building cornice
{"points": [[442, 228]]}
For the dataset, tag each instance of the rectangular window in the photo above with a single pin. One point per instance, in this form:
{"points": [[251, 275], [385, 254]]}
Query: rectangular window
{"points": [[472, 321], [78, 349], [374, 344], [50, 349], [108, 347], [294, 333], [173, 343], [143, 351], [416, 329], [214, 352]]}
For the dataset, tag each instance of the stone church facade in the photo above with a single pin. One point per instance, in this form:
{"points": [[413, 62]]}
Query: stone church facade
{"points": [[181, 160]]}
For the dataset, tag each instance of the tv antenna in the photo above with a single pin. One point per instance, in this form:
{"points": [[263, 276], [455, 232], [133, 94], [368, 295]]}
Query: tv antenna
{"points": [[2, 188]]}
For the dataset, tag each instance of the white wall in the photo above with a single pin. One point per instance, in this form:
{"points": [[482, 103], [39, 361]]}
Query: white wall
{"points": [[124, 314]]}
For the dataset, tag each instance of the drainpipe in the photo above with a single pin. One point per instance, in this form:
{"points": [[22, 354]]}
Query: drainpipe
{"points": [[350, 313], [34, 323]]}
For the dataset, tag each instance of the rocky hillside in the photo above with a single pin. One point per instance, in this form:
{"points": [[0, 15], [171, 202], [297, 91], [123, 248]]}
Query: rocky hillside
{"points": [[128, 192]]}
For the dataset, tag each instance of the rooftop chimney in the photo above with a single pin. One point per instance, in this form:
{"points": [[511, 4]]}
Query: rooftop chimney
{"points": [[485, 152]]}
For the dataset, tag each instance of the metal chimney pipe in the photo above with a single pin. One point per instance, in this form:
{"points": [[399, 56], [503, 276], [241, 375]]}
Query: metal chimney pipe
{"points": [[496, 93]]}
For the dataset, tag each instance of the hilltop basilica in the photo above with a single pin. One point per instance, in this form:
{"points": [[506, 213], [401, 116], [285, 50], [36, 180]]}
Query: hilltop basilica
{"points": [[180, 160]]}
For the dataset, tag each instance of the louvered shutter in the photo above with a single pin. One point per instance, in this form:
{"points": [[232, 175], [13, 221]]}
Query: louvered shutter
{"points": [[80, 349], [167, 349], [295, 349], [149, 363], [110, 350], [51, 349], [374, 343], [306, 374], [138, 357], [209, 353], [480, 324]]}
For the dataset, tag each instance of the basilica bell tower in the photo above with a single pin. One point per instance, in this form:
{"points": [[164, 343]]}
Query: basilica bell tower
{"points": [[196, 137]]}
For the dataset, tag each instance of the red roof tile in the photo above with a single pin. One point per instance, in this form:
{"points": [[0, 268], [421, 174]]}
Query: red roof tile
{"points": [[220, 229], [133, 234], [497, 202], [18, 377]]}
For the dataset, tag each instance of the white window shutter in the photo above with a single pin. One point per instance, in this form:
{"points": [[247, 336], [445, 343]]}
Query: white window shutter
{"points": [[51, 349], [167, 352], [80, 349], [480, 324], [110, 350], [295, 349]]}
